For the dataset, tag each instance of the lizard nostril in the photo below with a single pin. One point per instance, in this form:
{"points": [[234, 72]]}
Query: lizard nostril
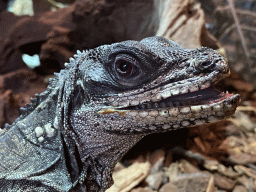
{"points": [[206, 63]]}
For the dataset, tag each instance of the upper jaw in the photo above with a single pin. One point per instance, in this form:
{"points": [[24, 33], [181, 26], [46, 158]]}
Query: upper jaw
{"points": [[140, 97]]}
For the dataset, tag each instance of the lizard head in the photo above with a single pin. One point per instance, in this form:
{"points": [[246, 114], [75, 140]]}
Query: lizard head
{"points": [[116, 94], [154, 85]]}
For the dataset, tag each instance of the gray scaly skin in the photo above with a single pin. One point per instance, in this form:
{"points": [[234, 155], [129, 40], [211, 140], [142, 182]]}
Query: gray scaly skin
{"points": [[108, 98]]}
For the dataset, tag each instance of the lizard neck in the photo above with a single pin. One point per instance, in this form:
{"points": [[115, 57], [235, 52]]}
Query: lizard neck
{"points": [[99, 151]]}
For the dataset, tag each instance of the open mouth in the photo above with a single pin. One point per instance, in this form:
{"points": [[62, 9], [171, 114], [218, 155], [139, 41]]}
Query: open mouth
{"points": [[174, 107], [206, 96]]}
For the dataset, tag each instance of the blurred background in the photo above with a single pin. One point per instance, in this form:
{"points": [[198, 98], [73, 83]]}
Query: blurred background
{"points": [[38, 36]]}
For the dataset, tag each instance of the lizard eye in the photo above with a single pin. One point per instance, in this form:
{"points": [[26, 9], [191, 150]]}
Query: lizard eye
{"points": [[126, 66], [123, 67], [126, 70]]}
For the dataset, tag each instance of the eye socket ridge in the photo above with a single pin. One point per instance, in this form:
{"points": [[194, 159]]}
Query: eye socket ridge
{"points": [[125, 66]]}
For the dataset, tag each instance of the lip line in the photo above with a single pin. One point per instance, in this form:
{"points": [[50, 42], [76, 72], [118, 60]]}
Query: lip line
{"points": [[183, 100]]}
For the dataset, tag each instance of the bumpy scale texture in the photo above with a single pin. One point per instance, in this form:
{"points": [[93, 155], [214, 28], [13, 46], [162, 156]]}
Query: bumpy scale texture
{"points": [[108, 98]]}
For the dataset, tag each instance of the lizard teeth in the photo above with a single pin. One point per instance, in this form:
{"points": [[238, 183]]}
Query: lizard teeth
{"points": [[183, 91], [186, 96], [185, 110], [196, 108], [175, 92], [166, 94], [205, 85], [135, 102], [193, 88]]}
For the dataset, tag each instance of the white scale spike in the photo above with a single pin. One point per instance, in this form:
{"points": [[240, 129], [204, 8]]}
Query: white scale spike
{"points": [[71, 60]]}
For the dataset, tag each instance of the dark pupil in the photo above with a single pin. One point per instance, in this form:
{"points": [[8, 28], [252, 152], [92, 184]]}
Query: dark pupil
{"points": [[123, 66]]}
